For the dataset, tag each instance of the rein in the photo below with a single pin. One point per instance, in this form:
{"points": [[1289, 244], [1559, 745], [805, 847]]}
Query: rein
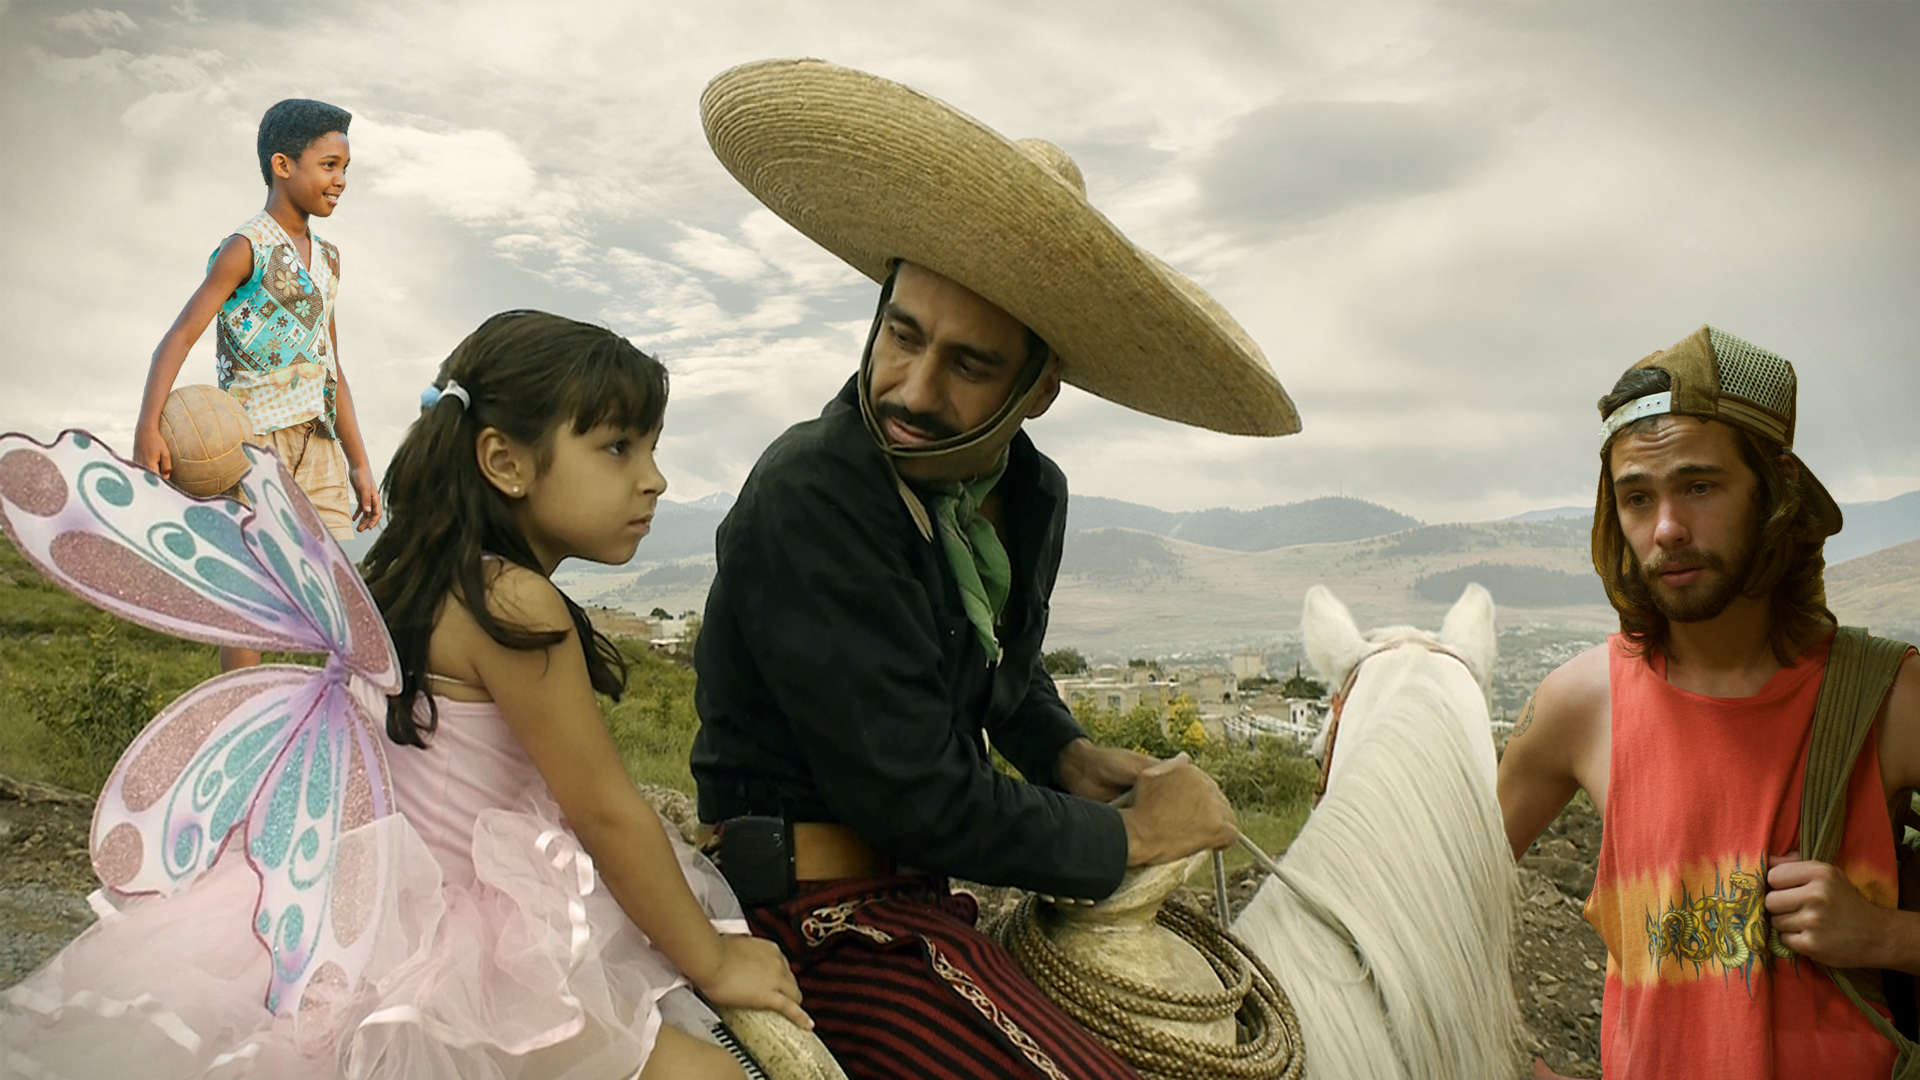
{"points": [[1339, 699]]}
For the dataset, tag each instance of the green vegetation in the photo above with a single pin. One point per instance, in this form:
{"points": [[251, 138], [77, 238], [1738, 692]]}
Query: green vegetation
{"points": [[77, 685], [1270, 786], [1118, 555], [1517, 586], [1444, 539], [654, 723], [1302, 687], [1063, 662]]}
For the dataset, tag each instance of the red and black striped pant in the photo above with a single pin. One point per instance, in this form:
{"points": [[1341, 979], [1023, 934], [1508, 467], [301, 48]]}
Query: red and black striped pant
{"points": [[901, 984]]}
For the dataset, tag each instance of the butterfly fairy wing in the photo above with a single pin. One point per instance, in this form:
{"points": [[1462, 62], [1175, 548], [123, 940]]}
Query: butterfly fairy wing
{"points": [[122, 539], [320, 874], [293, 548], [282, 761], [285, 761]]}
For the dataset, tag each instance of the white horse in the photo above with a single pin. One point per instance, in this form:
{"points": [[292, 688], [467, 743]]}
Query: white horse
{"points": [[1389, 922]]}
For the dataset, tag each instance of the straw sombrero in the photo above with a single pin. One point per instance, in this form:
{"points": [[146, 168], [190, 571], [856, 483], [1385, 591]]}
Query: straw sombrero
{"points": [[876, 172]]}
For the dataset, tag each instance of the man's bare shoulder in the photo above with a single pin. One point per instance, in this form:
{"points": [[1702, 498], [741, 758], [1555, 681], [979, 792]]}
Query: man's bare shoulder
{"points": [[1574, 694], [1900, 728]]}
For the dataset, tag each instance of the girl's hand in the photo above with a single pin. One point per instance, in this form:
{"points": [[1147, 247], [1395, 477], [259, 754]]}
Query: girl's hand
{"points": [[753, 974]]}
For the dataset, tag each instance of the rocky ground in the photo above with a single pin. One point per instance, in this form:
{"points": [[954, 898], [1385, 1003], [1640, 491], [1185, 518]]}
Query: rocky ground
{"points": [[45, 878]]}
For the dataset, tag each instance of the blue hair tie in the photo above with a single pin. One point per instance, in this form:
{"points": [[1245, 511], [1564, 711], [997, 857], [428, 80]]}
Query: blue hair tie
{"points": [[431, 395]]}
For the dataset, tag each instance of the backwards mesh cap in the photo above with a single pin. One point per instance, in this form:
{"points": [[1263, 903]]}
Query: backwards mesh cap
{"points": [[1721, 377]]}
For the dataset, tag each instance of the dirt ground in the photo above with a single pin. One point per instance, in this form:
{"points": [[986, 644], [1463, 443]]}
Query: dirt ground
{"points": [[45, 878]]}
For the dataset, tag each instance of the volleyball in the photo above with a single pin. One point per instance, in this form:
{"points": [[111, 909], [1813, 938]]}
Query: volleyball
{"points": [[203, 428]]}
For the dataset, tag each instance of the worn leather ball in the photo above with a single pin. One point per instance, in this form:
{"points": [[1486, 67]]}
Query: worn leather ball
{"points": [[203, 428]]}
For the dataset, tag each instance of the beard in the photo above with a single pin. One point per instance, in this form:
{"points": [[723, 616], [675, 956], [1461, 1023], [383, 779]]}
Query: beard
{"points": [[1726, 578]]}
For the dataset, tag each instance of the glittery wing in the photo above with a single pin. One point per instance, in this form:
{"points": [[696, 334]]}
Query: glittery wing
{"points": [[211, 570], [286, 760], [293, 548], [283, 760]]}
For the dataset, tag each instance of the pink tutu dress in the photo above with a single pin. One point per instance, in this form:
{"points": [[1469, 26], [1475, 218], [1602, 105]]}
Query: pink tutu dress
{"points": [[498, 954]]}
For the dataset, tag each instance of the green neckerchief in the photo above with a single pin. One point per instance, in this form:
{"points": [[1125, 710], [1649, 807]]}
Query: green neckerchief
{"points": [[974, 551]]}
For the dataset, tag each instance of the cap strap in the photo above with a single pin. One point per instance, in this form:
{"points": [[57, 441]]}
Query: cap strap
{"points": [[1652, 405]]}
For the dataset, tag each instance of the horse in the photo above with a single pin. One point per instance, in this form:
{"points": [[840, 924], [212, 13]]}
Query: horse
{"points": [[1388, 922], [1389, 919]]}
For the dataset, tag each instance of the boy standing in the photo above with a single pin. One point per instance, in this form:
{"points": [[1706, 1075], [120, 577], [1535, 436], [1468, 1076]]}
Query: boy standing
{"points": [[272, 286]]}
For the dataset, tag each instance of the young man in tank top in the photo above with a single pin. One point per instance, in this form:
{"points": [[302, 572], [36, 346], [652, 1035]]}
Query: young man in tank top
{"points": [[1689, 731]]}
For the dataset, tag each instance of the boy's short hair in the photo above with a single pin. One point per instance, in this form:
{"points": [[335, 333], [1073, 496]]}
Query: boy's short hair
{"points": [[292, 125]]}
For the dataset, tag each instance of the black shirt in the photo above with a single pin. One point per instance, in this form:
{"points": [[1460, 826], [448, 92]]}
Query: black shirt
{"points": [[840, 681]]}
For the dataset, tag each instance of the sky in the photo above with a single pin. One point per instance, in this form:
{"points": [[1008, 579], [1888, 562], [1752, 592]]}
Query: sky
{"points": [[1449, 227]]}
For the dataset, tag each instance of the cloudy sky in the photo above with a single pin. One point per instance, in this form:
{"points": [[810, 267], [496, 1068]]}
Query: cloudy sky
{"points": [[1449, 227]]}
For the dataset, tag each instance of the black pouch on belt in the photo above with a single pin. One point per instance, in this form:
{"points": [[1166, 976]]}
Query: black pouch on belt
{"points": [[755, 855]]}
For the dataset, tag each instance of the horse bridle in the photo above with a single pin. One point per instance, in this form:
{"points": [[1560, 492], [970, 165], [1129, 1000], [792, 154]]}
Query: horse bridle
{"points": [[1339, 699]]}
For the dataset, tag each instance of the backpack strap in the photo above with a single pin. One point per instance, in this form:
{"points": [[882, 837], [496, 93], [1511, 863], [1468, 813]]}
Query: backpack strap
{"points": [[1860, 672]]}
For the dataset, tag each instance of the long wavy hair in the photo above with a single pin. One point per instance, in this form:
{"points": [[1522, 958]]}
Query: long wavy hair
{"points": [[527, 372], [1788, 546]]}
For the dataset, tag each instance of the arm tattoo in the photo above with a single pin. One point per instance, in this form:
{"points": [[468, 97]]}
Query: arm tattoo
{"points": [[1526, 720]]}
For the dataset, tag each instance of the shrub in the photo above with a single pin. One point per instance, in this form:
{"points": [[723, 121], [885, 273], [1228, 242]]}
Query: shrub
{"points": [[1272, 776], [654, 723], [1064, 662], [1138, 728], [93, 709]]}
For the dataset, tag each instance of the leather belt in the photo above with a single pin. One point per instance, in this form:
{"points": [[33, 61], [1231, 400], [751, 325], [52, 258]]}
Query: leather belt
{"points": [[825, 851]]}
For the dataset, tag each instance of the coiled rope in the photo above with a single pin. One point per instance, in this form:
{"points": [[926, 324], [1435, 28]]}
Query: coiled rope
{"points": [[1110, 1005]]}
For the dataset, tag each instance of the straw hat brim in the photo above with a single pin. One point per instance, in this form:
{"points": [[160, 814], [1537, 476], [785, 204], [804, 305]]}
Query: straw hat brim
{"points": [[875, 172]]}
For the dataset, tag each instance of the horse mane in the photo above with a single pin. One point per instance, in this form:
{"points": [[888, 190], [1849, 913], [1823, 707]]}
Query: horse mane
{"points": [[1406, 856]]}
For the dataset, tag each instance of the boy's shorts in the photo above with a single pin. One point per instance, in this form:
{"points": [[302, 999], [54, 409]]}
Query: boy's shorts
{"points": [[319, 467]]}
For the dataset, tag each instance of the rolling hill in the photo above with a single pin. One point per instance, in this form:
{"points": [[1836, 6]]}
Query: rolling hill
{"points": [[1880, 591]]}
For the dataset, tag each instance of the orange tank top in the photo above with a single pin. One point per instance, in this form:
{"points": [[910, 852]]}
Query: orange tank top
{"points": [[1700, 791]]}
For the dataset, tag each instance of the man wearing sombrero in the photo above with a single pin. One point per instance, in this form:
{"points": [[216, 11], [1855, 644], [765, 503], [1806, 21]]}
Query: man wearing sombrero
{"points": [[881, 595]]}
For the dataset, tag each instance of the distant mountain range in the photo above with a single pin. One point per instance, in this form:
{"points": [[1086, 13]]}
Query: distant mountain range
{"points": [[685, 530], [1870, 526], [1315, 521], [1134, 574]]}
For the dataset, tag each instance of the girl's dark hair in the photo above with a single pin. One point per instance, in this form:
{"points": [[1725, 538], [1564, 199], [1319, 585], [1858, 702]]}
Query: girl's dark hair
{"points": [[1788, 562], [290, 126], [527, 372]]}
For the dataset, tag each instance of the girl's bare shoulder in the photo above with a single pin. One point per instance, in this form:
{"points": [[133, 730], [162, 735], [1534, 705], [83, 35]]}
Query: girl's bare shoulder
{"points": [[524, 598]]}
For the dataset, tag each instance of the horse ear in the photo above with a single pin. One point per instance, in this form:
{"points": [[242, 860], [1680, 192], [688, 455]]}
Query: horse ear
{"points": [[1470, 633], [1334, 643]]}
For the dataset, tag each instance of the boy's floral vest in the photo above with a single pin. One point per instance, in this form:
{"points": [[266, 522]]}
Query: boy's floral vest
{"points": [[274, 352]]}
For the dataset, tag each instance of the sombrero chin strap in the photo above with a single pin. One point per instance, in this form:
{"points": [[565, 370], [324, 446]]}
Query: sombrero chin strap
{"points": [[964, 456]]}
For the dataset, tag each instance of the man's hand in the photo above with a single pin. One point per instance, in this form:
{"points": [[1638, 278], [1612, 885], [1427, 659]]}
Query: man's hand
{"points": [[150, 450], [366, 498], [1177, 810], [1100, 773], [1819, 914]]}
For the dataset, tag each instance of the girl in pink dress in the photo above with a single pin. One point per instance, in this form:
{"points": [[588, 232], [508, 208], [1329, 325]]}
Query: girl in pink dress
{"points": [[482, 892]]}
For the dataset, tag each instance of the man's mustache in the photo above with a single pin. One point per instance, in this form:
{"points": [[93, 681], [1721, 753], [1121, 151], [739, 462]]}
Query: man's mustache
{"points": [[1666, 562], [931, 426]]}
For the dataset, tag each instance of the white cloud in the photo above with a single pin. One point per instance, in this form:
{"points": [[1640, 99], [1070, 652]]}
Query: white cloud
{"points": [[97, 24], [709, 251], [1449, 227], [474, 176]]}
